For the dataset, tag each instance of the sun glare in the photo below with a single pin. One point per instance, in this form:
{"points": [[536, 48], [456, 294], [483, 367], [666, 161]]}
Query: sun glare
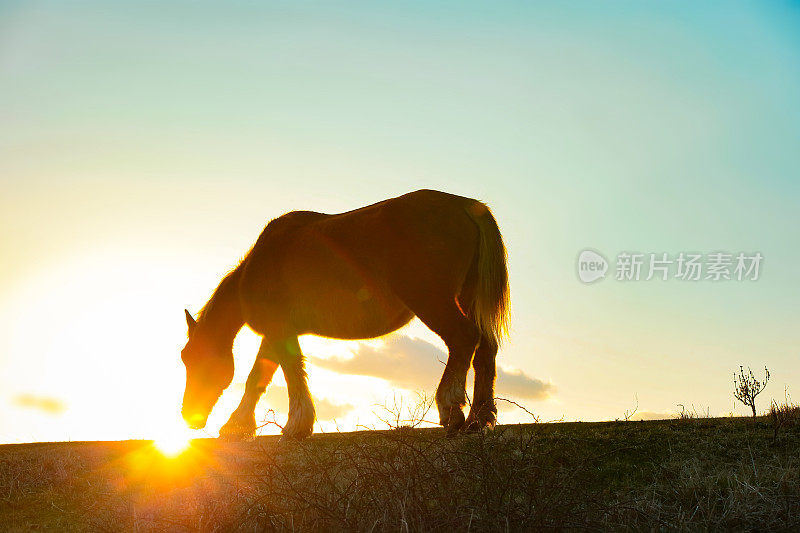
{"points": [[173, 443]]}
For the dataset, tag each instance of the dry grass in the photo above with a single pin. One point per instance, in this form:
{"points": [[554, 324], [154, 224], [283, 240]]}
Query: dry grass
{"points": [[784, 415], [675, 474]]}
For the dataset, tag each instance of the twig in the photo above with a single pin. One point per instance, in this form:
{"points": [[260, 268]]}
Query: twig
{"points": [[535, 418]]}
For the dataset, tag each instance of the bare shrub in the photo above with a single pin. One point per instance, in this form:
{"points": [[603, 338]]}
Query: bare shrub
{"points": [[746, 387], [486, 481], [400, 415], [628, 414]]}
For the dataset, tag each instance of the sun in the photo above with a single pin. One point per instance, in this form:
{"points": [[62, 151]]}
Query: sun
{"points": [[173, 442]]}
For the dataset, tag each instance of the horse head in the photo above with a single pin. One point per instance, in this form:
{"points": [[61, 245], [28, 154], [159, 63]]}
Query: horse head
{"points": [[209, 371]]}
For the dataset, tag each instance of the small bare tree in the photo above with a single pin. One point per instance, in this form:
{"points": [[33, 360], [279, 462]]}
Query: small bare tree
{"points": [[746, 387]]}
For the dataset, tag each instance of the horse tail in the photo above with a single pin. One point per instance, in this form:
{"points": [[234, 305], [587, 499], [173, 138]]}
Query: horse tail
{"points": [[490, 306]]}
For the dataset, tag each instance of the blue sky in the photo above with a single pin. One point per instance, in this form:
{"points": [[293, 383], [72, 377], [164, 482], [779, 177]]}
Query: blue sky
{"points": [[144, 145]]}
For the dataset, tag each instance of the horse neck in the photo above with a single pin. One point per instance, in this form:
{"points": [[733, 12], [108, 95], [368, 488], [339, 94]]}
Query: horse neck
{"points": [[221, 318]]}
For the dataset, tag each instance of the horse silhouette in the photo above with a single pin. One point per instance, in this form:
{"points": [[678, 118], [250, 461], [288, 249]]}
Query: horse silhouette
{"points": [[357, 275]]}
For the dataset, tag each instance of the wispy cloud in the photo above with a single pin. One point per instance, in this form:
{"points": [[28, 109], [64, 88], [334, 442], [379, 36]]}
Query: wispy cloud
{"points": [[415, 364], [49, 405]]}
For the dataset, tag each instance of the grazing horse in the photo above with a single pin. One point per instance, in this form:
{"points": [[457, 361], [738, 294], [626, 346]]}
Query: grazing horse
{"points": [[357, 275]]}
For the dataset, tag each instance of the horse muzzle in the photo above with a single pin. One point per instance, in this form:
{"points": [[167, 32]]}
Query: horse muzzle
{"points": [[195, 420]]}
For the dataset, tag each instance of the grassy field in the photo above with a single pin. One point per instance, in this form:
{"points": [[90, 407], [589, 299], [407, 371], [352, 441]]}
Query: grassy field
{"points": [[676, 474]]}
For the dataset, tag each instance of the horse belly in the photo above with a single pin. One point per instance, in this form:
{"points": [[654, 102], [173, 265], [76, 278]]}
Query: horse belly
{"points": [[348, 314]]}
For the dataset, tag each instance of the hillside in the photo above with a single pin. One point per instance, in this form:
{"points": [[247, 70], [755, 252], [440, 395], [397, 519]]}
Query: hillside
{"points": [[697, 473]]}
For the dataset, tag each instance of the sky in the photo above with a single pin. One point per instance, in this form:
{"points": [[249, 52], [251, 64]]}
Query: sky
{"points": [[144, 145]]}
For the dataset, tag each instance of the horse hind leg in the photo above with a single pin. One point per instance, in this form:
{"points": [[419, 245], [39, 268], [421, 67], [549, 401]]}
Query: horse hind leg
{"points": [[461, 335], [483, 411]]}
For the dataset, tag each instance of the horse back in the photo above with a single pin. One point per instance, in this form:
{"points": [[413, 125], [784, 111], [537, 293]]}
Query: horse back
{"points": [[350, 270]]}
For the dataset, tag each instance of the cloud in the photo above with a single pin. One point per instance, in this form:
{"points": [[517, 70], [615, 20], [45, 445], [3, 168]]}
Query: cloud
{"points": [[517, 383], [49, 405], [277, 398], [327, 410], [652, 415], [405, 362], [414, 364]]}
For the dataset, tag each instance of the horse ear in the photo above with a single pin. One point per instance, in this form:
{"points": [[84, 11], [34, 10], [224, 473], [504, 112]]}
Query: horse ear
{"points": [[190, 322]]}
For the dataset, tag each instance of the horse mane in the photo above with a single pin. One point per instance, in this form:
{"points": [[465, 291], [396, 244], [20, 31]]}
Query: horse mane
{"points": [[226, 294]]}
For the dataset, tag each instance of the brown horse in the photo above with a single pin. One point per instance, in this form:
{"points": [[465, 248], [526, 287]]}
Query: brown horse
{"points": [[357, 275]]}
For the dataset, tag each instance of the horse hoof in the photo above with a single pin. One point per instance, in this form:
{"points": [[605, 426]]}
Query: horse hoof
{"points": [[237, 437], [237, 433], [477, 427], [454, 422], [292, 439], [471, 426], [474, 425]]}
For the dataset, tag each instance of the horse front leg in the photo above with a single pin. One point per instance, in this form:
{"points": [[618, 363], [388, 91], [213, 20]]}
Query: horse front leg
{"points": [[301, 408], [242, 423]]}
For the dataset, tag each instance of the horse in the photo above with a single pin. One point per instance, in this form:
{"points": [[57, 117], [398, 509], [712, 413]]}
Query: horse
{"points": [[357, 275]]}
